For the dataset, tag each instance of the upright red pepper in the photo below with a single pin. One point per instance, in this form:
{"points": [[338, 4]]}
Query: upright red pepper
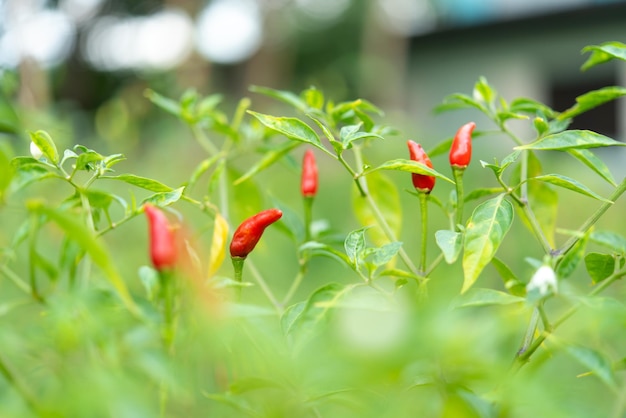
{"points": [[308, 185], [423, 183], [461, 150], [163, 251], [250, 231]]}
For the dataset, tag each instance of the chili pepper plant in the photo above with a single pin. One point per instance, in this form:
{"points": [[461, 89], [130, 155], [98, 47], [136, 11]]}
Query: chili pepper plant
{"points": [[472, 276]]}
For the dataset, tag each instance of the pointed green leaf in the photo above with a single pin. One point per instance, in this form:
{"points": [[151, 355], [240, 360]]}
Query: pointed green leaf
{"points": [[568, 263], [142, 182], [354, 245], [592, 100], [480, 193], [485, 297], [514, 285], [570, 184], [167, 104], [78, 232], [45, 143], [450, 243], [484, 233], [313, 97], [593, 162], [283, 96], [573, 139], [384, 254], [611, 240], [84, 160], [408, 166], [603, 53], [318, 248], [599, 266], [459, 101], [530, 106], [292, 128], [596, 362], [268, 159], [304, 317], [165, 198]]}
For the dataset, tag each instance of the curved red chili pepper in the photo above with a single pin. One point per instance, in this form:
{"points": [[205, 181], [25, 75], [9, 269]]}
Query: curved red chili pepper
{"points": [[308, 185], [163, 251], [423, 183], [461, 150], [250, 231]]}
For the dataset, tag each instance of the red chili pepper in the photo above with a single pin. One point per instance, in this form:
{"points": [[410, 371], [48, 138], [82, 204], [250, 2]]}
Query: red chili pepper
{"points": [[163, 251], [308, 185], [249, 232], [423, 183], [461, 150]]}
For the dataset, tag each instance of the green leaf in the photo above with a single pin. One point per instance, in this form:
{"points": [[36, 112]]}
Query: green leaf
{"points": [[84, 160], [530, 106], [609, 239], [268, 159], [592, 100], [485, 297], [512, 283], [596, 362], [350, 133], [313, 98], [247, 384], [574, 139], [246, 198], [484, 233], [599, 266], [318, 248], [169, 105], [570, 184], [383, 255], [165, 198], [283, 96], [384, 192], [568, 263], [480, 193], [292, 128], [354, 245], [202, 168], [593, 162], [304, 317], [603, 53], [45, 143], [408, 166], [450, 243], [483, 92], [79, 233], [142, 182], [459, 101]]}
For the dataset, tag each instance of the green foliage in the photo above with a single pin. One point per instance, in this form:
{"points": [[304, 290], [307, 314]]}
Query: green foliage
{"points": [[332, 314]]}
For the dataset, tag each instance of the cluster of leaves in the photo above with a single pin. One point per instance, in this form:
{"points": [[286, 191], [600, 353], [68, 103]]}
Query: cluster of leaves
{"points": [[376, 340]]}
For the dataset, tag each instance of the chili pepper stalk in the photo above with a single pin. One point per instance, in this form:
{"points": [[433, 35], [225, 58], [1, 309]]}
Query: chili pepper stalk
{"points": [[424, 184], [460, 157]]}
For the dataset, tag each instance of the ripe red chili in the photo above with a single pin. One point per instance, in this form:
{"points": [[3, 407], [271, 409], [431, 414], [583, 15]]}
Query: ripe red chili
{"points": [[308, 185], [461, 150], [422, 182], [249, 232], [163, 251]]}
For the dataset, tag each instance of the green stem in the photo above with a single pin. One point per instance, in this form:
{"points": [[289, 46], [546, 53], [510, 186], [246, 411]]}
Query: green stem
{"points": [[168, 300], [238, 263], [21, 284], [621, 188], [361, 185], [296, 283], [25, 394], [380, 218], [458, 180], [264, 287], [308, 217], [424, 217], [523, 356]]}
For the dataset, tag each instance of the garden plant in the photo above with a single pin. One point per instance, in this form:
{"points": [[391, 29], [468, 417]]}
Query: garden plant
{"points": [[495, 292]]}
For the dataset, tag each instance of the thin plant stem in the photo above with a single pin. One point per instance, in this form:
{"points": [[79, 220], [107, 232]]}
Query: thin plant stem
{"points": [[458, 180], [19, 387], [296, 283], [308, 217], [17, 281], [591, 221], [424, 232], [264, 287]]}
